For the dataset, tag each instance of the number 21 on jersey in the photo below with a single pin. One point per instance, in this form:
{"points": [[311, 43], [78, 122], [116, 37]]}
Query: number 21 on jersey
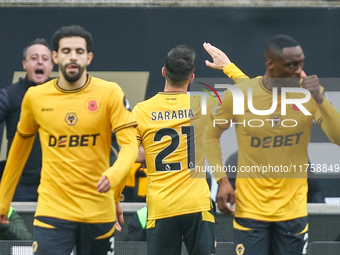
{"points": [[175, 143]]}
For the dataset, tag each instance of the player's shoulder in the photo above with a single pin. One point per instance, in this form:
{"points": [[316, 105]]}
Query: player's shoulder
{"points": [[152, 101], [248, 83], [109, 85], [195, 97], [196, 101], [243, 86]]}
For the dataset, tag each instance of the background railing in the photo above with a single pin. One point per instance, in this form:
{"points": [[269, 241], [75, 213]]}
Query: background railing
{"points": [[324, 229]]}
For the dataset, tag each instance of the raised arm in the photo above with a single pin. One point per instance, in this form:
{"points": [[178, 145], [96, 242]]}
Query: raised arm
{"points": [[327, 116], [222, 62]]}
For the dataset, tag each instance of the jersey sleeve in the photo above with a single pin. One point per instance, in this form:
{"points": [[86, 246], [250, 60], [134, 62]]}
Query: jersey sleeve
{"points": [[235, 73], [117, 192], [27, 125], [18, 154], [216, 124], [126, 139], [135, 112], [328, 118], [121, 115]]}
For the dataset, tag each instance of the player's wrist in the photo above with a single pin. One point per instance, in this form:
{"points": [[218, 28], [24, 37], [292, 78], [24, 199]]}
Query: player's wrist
{"points": [[223, 180], [228, 67], [319, 99]]}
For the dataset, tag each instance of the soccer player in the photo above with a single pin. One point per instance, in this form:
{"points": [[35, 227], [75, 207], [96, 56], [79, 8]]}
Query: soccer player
{"points": [[37, 62], [75, 115], [170, 128], [178, 201], [271, 208]]}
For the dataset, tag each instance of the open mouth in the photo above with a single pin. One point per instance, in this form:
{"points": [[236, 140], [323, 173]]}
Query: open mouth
{"points": [[39, 71]]}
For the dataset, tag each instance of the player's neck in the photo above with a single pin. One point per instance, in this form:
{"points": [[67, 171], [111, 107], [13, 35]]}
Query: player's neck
{"points": [[66, 85], [175, 90], [169, 88], [270, 82]]}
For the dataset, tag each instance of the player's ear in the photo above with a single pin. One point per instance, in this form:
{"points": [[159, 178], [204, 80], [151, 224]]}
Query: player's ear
{"points": [[192, 77], [89, 58], [55, 57], [163, 71], [269, 63]]}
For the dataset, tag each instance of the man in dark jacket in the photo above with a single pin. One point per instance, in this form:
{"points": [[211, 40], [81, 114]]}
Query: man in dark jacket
{"points": [[37, 62]]}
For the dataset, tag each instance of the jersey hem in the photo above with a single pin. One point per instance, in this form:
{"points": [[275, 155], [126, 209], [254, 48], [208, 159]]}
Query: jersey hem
{"points": [[179, 213], [108, 220], [273, 218]]}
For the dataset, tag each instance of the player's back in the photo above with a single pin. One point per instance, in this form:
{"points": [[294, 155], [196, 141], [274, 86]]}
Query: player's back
{"points": [[170, 126]]}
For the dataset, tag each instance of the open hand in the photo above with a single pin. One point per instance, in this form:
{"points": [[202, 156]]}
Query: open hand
{"points": [[220, 59]]}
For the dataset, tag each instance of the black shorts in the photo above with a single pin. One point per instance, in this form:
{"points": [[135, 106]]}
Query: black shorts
{"points": [[58, 237], [197, 230], [252, 237]]}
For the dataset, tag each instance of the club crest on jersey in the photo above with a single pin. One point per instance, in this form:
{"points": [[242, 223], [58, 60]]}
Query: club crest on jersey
{"points": [[71, 118], [240, 249], [276, 120], [92, 105], [127, 104]]}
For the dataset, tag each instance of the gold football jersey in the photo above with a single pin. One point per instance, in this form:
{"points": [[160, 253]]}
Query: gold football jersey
{"points": [[271, 183], [170, 127], [75, 129]]}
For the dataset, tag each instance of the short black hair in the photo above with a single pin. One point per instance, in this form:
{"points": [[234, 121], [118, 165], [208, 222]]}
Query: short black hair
{"points": [[69, 31], [276, 44], [179, 63], [40, 41]]}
